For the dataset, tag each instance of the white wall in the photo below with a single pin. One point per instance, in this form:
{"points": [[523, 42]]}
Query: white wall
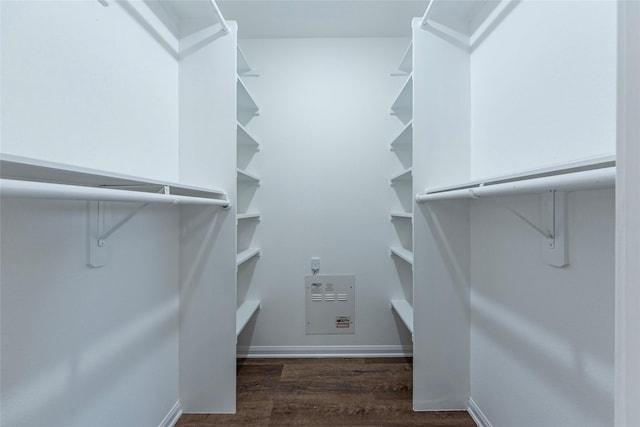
{"points": [[69, 70], [325, 165], [542, 337], [84, 346], [543, 87], [88, 85]]}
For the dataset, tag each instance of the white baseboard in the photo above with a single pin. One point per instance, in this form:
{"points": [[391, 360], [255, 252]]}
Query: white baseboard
{"points": [[173, 416], [477, 415], [325, 351]]}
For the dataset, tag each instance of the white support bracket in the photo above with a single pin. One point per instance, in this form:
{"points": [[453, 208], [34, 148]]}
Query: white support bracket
{"points": [[97, 239], [98, 249], [554, 230], [555, 248]]}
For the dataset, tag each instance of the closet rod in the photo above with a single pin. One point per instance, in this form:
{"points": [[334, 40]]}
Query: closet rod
{"points": [[423, 23], [221, 20], [585, 180], [45, 190]]}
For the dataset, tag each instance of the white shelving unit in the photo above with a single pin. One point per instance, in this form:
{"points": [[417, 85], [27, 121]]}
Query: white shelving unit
{"points": [[246, 147], [474, 122], [402, 184], [74, 181]]}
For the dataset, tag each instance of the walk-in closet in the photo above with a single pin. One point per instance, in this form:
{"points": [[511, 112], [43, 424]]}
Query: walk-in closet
{"points": [[190, 187]]}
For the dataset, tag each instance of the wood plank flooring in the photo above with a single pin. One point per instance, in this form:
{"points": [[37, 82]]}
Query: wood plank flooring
{"points": [[365, 392]]}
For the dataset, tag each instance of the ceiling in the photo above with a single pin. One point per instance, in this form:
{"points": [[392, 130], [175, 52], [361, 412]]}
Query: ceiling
{"points": [[322, 18]]}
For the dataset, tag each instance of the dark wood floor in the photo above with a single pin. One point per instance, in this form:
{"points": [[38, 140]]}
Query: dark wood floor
{"points": [[326, 392]]}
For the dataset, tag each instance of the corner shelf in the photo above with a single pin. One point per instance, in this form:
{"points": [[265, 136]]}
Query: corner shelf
{"points": [[402, 215], [404, 101], [404, 139], [242, 65], [75, 179], [406, 65], [249, 216], [246, 255], [404, 311], [244, 313], [244, 176], [244, 138], [245, 102], [402, 253], [404, 176]]}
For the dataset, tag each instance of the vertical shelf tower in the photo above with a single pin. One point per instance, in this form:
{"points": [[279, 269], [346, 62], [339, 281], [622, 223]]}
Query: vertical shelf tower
{"points": [[247, 182], [402, 184]]}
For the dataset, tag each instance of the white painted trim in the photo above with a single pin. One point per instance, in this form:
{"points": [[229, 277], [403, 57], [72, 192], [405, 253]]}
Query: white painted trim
{"points": [[477, 415], [173, 416], [325, 351]]}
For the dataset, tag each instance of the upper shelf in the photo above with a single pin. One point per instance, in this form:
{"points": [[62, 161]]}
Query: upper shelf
{"points": [[404, 101], [593, 173], [40, 171], [467, 22], [183, 18]]}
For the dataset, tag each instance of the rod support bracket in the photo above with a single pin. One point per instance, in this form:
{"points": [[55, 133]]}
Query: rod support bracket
{"points": [[555, 248]]}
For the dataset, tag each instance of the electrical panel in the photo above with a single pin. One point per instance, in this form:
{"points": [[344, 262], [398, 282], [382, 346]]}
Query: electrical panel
{"points": [[330, 304]]}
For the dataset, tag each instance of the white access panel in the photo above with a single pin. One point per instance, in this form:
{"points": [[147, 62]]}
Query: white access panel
{"points": [[330, 304]]}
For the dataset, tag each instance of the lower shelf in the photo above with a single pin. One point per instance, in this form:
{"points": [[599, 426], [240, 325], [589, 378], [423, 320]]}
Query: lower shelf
{"points": [[404, 311], [246, 255], [403, 254], [244, 313]]}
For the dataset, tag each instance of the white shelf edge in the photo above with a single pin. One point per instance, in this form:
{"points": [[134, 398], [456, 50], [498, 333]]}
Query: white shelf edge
{"points": [[244, 313], [244, 216], [402, 176], [404, 137], [244, 137], [584, 180], [248, 177], [404, 215], [402, 253], [404, 100], [246, 255], [404, 311], [591, 163], [36, 170]]}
